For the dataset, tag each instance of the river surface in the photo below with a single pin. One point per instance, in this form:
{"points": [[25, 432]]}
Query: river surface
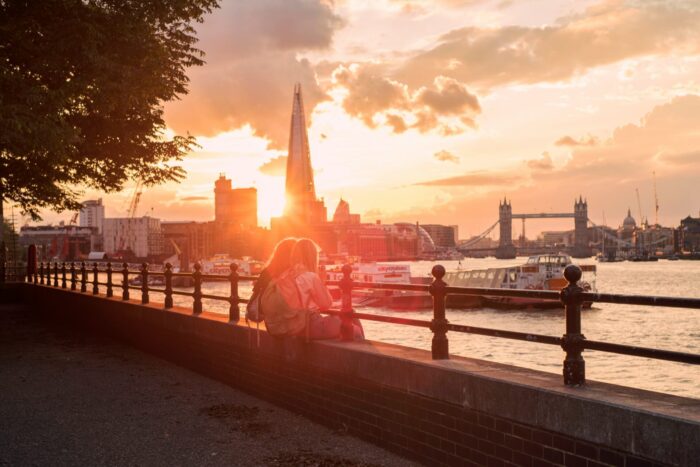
{"points": [[657, 327]]}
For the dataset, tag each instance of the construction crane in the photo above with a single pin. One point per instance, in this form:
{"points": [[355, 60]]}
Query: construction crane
{"points": [[125, 242], [656, 202], [639, 206]]}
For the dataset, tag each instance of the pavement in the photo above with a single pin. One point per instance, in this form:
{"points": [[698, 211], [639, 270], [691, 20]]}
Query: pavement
{"points": [[71, 399]]}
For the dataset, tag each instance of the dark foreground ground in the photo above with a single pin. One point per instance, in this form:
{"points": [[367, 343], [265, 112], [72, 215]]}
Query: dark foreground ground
{"points": [[67, 399]]}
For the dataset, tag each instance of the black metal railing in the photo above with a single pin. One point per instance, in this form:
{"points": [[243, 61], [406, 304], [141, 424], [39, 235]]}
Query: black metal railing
{"points": [[573, 342]]}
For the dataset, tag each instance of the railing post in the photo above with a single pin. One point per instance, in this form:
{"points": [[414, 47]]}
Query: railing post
{"points": [[73, 278], [144, 283], [3, 257], [234, 313], [55, 274], [95, 285], [440, 345], [572, 342], [63, 275], [347, 330], [110, 292], [83, 277], [197, 294], [168, 303], [31, 264], [41, 273], [125, 282]]}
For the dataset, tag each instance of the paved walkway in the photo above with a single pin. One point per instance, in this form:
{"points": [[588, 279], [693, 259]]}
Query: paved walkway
{"points": [[68, 399]]}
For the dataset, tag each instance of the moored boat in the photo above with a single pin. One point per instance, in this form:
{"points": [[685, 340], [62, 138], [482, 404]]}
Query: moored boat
{"points": [[540, 272]]}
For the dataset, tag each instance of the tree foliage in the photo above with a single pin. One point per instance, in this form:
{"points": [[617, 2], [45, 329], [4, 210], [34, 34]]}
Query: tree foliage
{"points": [[82, 88]]}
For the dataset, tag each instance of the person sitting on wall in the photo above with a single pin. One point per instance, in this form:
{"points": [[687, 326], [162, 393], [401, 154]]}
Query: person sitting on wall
{"points": [[314, 294], [279, 262]]}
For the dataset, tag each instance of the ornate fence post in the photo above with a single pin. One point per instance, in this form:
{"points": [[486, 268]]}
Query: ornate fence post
{"points": [[168, 303], [41, 273], [110, 292], [63, 275], [197, 294], [347, 330], [440, 345], [572, 342], [234, 313], [144, 283], [55, 274], [95, 285], [73, 278], [125, 282], [83, 277]]}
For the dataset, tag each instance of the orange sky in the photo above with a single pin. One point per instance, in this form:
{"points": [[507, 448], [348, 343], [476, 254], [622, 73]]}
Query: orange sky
{"points": [[433, 110]]}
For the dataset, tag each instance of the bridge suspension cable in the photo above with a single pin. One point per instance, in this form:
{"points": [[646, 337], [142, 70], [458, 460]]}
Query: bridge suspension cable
{"points": [[479, 237]]}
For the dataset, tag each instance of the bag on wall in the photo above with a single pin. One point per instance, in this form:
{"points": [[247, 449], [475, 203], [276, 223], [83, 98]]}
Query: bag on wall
{"points": [[283, 318]]}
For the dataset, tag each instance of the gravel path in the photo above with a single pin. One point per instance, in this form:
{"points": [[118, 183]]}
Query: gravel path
{"points": [[69, 399]]}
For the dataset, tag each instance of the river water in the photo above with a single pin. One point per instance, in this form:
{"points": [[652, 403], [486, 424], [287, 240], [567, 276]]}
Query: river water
{"points": [[664, 328]]}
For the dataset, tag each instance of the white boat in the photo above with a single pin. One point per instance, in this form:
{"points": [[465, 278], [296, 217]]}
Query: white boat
{"points": [[540, 272], [381, 273], [220, 264]]}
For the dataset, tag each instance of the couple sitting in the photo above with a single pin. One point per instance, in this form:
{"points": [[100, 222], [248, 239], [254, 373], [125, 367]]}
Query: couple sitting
{"points": [[289, 295]]}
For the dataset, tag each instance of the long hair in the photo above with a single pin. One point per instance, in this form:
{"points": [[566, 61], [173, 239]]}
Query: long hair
{"points": [[280, 260], [305, 253]]}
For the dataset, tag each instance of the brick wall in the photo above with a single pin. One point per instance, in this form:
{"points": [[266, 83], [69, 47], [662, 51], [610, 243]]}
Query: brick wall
{"points": [[362, 392]]}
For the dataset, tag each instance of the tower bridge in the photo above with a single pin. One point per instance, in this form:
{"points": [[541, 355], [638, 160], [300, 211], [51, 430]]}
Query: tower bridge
{"points": [[506, 249]]}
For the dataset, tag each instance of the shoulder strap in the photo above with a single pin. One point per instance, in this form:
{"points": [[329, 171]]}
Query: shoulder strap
{"points": [[301, 299]]}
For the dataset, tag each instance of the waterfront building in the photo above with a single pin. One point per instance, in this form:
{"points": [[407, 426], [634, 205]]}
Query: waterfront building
{"points": [[92, 214], [342, 214], [60, 242], [140, 235], [442, 235], [235, 205], [189, 239], [689, 234]]}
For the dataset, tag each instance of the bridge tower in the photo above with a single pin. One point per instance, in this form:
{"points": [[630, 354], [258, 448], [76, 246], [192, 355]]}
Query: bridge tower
{"points": [[506, 249], [581, 248]]}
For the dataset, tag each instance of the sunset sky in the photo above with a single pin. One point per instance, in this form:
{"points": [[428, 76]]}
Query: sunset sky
{"points": [[435, 110]]}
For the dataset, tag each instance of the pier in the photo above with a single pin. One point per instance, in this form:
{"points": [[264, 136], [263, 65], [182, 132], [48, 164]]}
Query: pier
{"points": [[430, 407]]}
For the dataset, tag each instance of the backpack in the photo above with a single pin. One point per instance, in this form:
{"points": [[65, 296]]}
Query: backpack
{"points": [[253, 311], [281, 317]]}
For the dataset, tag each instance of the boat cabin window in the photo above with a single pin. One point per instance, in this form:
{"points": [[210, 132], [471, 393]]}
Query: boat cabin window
{"points": [[489, 275]]}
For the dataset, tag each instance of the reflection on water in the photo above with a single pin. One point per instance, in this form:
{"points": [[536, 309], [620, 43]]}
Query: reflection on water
{"points": [[666, 328]]}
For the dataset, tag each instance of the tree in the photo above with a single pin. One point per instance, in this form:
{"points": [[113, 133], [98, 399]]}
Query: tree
{"points": [[82, 88]]}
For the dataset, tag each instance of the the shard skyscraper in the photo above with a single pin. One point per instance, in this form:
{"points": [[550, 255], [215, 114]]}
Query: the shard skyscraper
{"points": [[302, 207]]}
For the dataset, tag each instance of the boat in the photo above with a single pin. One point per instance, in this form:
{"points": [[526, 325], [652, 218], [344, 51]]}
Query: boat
{"points": [[152, 280], [381, 273], [220, 264], [540, 272]]}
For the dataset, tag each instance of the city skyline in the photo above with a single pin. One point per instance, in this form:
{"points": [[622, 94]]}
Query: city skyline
{"points": [[406, 132]]}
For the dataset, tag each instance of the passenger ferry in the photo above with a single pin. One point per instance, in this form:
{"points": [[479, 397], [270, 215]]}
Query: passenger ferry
{"points": [[220, 264], [540, 272]]}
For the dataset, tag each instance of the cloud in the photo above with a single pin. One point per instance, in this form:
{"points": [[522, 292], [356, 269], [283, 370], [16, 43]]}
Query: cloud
{"points": [[471, 179], [195, 198], [252, 64], [686, 158], [275, 167], [543, 163], [666, 141], [569, 141], [445, 105], [605, 33], [446, 156]]}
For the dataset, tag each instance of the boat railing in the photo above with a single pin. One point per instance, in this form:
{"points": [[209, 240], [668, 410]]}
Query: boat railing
{"points": [[80, 276]]}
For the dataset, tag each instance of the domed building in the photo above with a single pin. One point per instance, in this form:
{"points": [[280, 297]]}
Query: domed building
{"points": [[629, 225]]}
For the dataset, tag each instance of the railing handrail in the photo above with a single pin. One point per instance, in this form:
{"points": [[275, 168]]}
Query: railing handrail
{"points": [[572, 297]]}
